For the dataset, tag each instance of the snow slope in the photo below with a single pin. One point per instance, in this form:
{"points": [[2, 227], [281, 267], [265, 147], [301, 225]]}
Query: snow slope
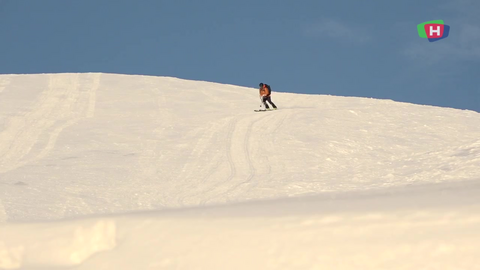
{"points": [[103, 171]]}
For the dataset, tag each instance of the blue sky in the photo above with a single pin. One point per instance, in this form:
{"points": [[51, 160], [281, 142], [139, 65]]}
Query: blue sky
{"points": [[347, 48]]}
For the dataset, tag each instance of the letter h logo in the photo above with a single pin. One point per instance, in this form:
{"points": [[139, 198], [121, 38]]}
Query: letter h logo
{"points": [[433, 30]]}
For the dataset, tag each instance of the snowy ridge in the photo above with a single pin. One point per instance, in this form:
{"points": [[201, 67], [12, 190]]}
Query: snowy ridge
{"points": [[287, 234], [104, 171], [55, 245]]}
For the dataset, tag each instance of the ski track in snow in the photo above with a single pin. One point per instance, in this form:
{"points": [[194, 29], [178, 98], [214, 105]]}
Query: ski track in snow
{"points": [[241, 148], [241, 164], [61, 105]]}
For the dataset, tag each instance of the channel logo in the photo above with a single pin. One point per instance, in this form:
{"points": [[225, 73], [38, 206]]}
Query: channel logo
{"points": [[433, 30]]}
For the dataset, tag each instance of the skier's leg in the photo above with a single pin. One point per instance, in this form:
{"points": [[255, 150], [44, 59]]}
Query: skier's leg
{"points": [[270, 101], [264, 99]]}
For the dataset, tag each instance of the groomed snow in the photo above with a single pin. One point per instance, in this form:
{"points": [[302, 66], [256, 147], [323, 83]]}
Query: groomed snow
{"points": [[104, 171]]}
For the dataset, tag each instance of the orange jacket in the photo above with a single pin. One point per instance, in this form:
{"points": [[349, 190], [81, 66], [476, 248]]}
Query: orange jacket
{"points": [[264, 91]]}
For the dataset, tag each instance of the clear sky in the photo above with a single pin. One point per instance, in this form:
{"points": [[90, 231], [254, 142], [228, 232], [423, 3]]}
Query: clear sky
{"points": [[345, 47]]}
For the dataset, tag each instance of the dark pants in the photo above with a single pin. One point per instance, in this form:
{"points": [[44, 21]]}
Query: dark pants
{"points": [[267, 98]]}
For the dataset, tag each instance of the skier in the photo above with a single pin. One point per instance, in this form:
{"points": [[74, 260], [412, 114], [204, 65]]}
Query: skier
{"points": [[265, 92]]}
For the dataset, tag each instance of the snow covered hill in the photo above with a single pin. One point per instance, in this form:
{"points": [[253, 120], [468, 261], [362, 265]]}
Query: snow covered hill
{"points": [[104, 171]]}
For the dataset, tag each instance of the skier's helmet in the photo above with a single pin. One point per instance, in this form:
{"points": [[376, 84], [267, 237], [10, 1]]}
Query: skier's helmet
{"points": [[261, 84]]}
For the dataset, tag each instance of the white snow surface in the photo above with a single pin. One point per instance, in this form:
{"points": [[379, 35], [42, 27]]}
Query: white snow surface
{"points": [[106, 171]]}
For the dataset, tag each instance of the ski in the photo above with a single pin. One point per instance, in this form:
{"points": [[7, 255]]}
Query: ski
{"points": [[264, 110]]}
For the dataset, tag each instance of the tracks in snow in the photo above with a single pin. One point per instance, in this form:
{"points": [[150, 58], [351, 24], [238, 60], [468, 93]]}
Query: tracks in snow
{"points": [[61, 105], [244, 146], [236, 148], [249, 154], [238, 154], [32, 136]]}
